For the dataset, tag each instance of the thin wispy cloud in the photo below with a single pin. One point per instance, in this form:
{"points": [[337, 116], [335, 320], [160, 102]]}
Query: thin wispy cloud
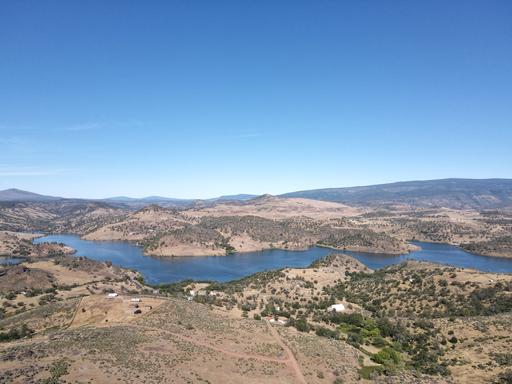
{"points": [[249, 135], [84, 127], [13, 140], [91, 126], [15, 128], [27, 171]]}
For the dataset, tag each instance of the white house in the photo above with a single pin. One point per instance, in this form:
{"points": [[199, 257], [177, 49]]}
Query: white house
{"points": [[337, 308], [111, 295], [136, 300]]}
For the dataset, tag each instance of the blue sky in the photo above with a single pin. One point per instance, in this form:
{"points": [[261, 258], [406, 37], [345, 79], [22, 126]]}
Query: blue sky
{"points": [[203, 98]]}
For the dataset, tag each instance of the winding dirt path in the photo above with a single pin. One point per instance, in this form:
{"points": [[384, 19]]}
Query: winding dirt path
{"points": [[289, 360], [78, 306], [238, 355]]}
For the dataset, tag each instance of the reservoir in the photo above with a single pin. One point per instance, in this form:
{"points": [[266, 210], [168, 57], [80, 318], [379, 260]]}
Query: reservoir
{"points": [[157, 270], [10, 260]]}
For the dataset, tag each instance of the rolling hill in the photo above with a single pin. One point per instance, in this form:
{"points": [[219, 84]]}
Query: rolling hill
{"points": [[14, 194]]}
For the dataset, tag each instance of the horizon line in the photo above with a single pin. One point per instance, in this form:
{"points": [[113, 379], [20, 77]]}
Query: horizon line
{"points": [[163, 196]]}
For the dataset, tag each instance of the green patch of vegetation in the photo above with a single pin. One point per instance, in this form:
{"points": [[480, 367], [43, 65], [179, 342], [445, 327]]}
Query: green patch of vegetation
{"points": [[140, 279], [300, 324], [16, 333], [326, 332], [503, 359], [504, 378], [388, 357], [257, 281], [498, 245], [58, 369], [10, 296], [173, 288], [369, 372]]}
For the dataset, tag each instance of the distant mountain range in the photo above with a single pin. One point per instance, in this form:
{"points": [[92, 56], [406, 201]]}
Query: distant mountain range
{"points": [[173, 202], [451, 193], [14, 194], [18, 195]]}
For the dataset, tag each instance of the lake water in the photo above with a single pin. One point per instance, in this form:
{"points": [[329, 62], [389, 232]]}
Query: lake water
{"points": [[10, 260], [158, 270]]}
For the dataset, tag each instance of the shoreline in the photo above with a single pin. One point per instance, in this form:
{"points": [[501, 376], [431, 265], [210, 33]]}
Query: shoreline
{"points": [[459, 245], [368, 250], [236, 252], [373, 251]]}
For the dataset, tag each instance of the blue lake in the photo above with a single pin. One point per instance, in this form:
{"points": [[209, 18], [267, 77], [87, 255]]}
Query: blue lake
{"points": [[10, 260], [158, 270]]}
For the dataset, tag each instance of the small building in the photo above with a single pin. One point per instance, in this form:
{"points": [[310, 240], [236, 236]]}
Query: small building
{"points": [[136, 300], [278, 321], [337, 308], [112, 295]]}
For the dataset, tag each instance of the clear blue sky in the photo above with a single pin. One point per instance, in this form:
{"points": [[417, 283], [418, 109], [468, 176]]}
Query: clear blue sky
{"points": [[203, 98]]}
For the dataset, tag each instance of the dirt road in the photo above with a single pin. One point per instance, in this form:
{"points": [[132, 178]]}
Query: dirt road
{"points": [[289, 360]]}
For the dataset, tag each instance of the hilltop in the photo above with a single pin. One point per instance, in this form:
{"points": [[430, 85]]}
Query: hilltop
{"points": [[271, 207], [14, 194]]}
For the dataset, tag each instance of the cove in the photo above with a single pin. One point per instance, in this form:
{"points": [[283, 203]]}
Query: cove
{"points": [[158, 270], [4, 260]]}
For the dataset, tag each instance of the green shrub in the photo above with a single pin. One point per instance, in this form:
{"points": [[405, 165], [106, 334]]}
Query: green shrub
{"points": [[16, 333], [325, 332], [379, 342], [10, 296], [387, 357]]}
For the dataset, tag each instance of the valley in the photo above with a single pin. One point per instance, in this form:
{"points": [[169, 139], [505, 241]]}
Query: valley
{"points": [[284, 289]]}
